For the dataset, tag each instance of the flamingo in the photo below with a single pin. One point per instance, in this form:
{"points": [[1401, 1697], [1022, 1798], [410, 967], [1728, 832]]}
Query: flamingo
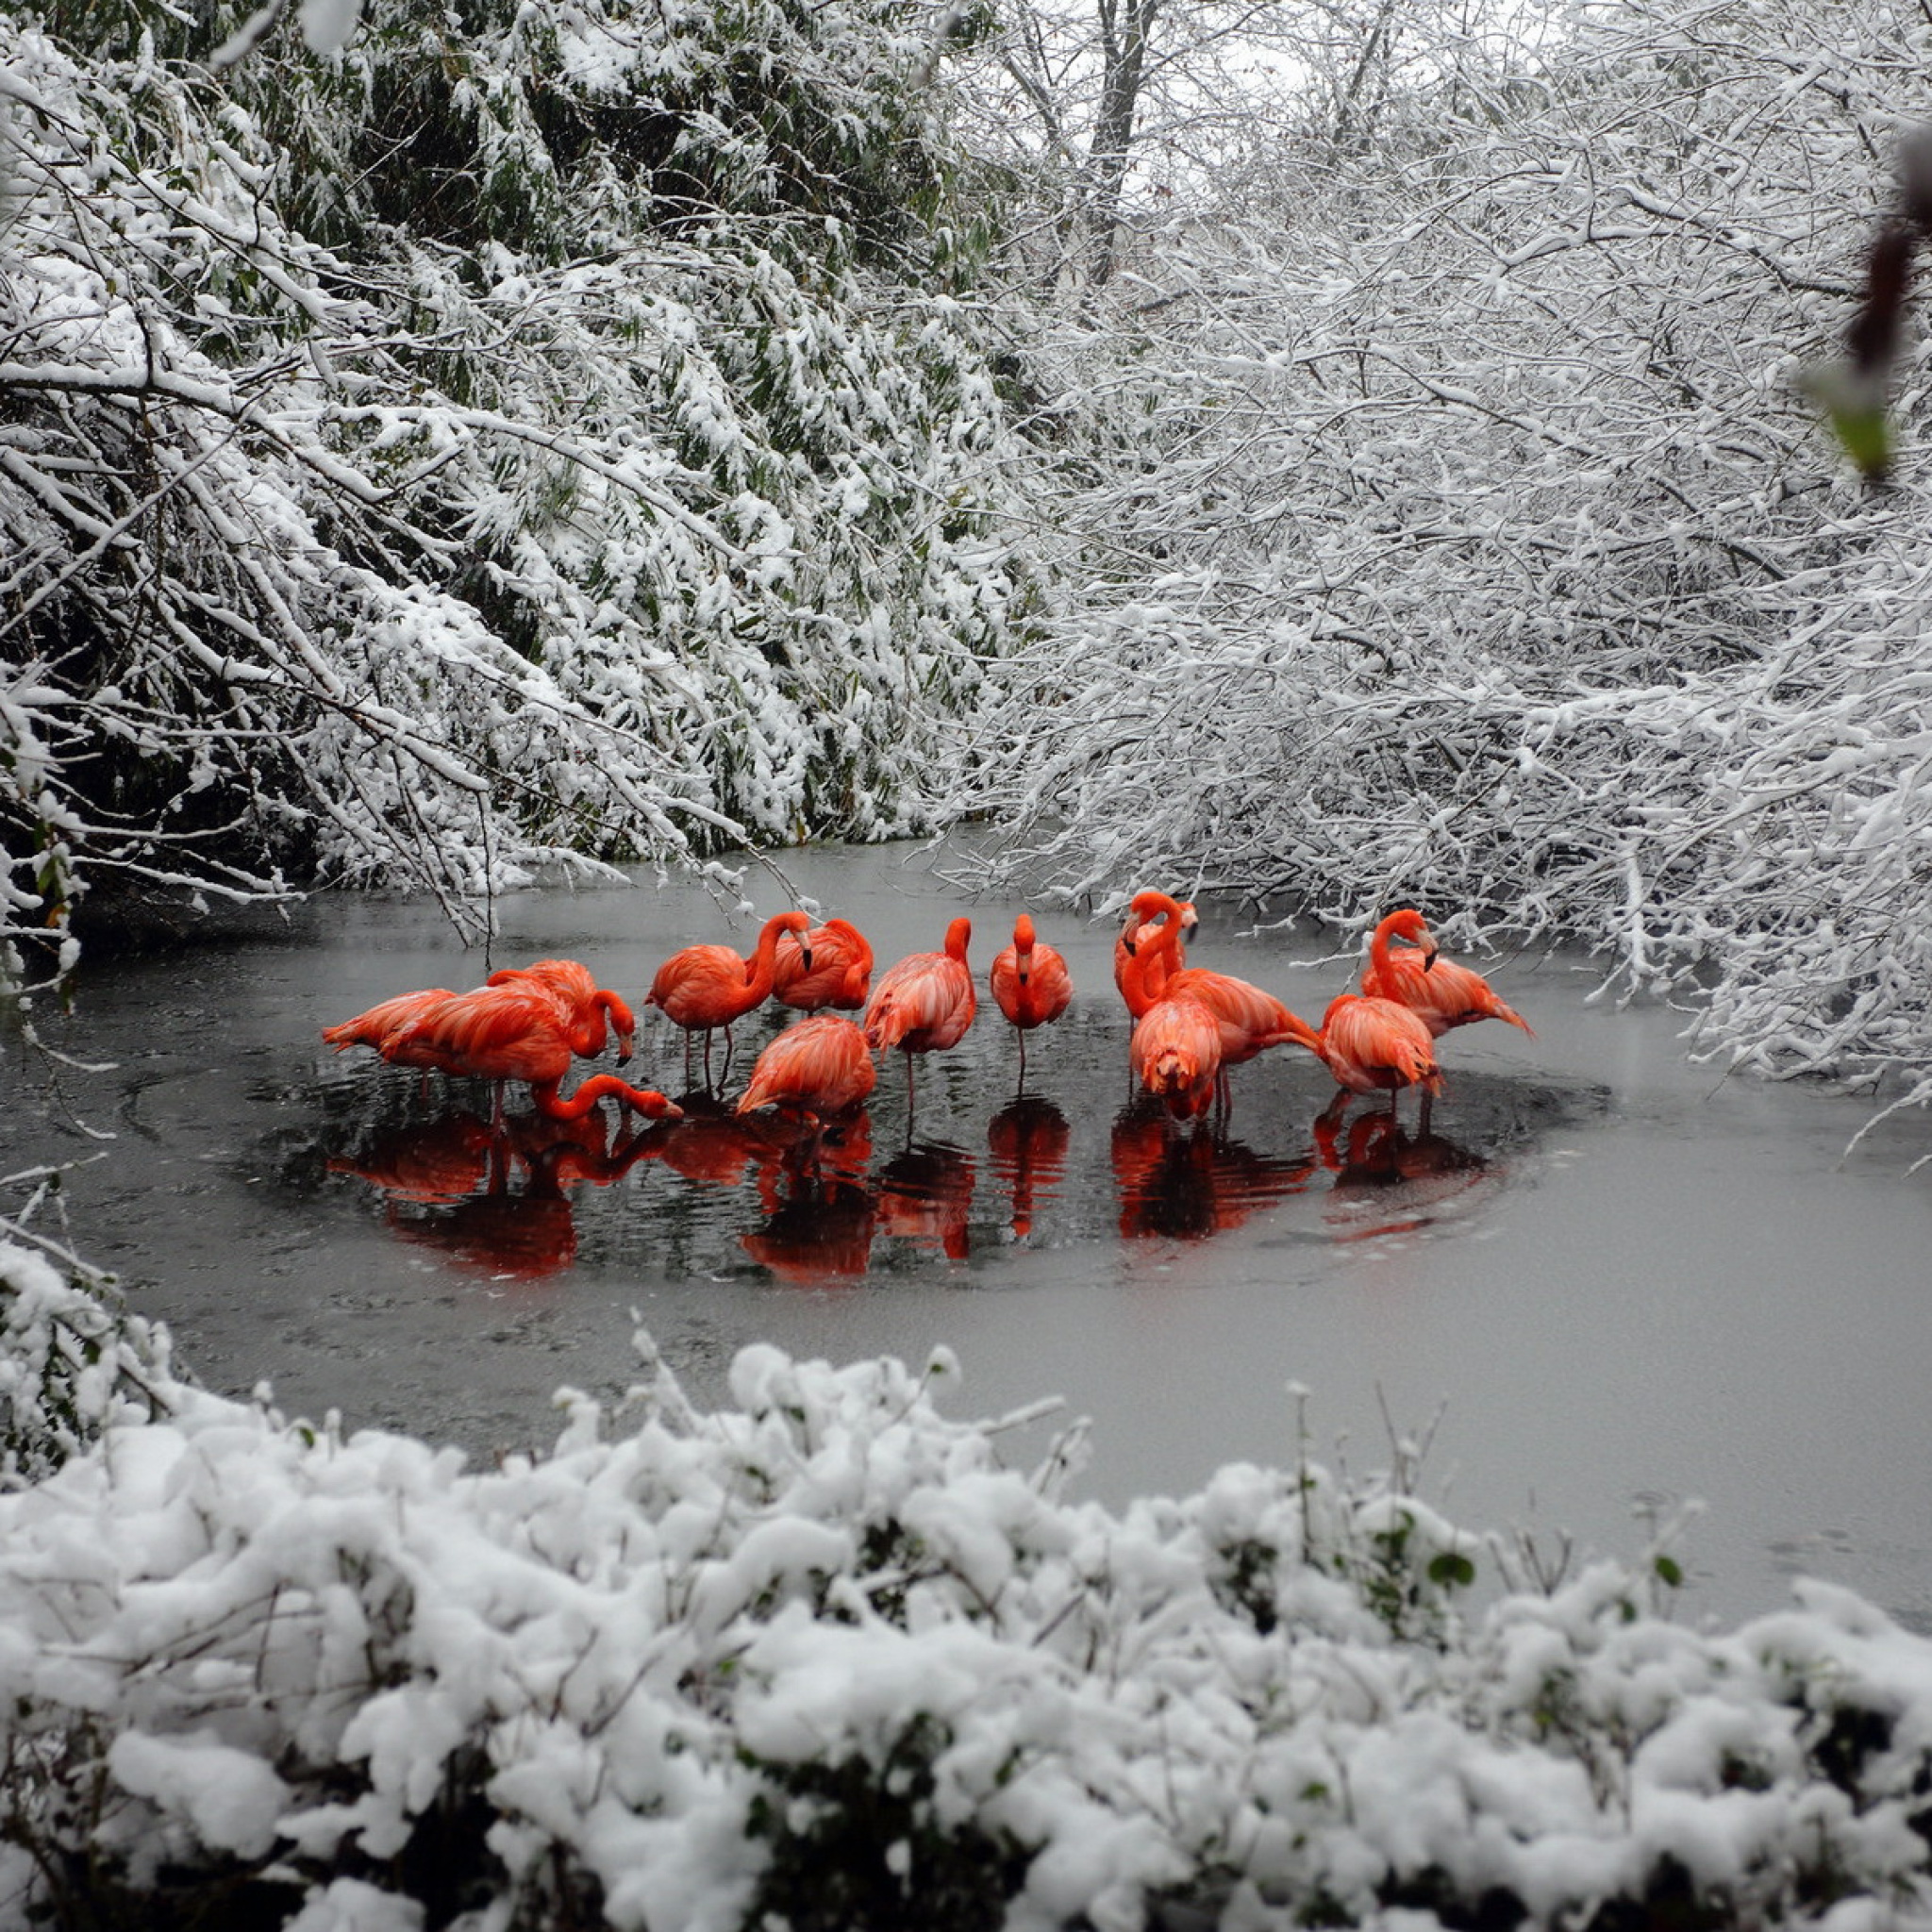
{"points": [[586, 1005], [1030, 983], [1251, 1021], [1373, 1046], [1175, 1054], [821, 1065], [831, 966], [1140, 990], [704, 987], [1442, 992], [517, 1032], [384, 1026], [925, 1003]]}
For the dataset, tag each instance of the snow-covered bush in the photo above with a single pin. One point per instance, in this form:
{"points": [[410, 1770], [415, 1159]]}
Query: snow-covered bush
{"points": [[72, 1360], [821, 1660], [552, 437], [1468, 538]]}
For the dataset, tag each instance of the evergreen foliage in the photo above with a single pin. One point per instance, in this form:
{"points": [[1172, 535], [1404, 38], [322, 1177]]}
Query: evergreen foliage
{"points": [[538, 435]]}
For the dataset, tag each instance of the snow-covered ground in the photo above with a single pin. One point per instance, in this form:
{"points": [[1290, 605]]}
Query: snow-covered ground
{"points": [[822, 1658]]}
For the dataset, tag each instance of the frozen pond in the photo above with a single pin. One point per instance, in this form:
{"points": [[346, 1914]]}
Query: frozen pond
{"points": [[1610, 1283]]}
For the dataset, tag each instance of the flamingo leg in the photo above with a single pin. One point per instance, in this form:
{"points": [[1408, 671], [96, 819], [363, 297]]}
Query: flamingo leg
{"points": [[1022, 1064]]}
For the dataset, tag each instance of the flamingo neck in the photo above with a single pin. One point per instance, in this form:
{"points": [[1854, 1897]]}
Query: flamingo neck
{"points": [[764, 960], [1149, 967]]}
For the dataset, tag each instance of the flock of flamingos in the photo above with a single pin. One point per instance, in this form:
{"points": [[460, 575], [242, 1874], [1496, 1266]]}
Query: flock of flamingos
{"points": [[446, 1181], [1190, 1024]]}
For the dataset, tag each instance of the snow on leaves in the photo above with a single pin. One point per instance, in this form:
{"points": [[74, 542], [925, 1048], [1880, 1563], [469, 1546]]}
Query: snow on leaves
{"points": [[404, 556]]}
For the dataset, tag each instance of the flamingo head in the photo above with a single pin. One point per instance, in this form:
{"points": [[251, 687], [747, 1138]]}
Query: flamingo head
{"points": [[1410, 925], [1153, 905], [957, 935], [623, 1023]]}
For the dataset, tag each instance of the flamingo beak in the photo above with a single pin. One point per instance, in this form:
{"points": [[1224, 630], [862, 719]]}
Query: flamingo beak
{"points": [[627, 1044], [805, 954], [1428, 957]]}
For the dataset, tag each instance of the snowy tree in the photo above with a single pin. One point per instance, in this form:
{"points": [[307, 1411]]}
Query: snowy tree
{"points": [[1468, 538], [554, 435]]}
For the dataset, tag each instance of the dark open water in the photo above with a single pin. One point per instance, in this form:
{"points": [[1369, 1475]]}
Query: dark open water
{"points": [[1610, 1281]]}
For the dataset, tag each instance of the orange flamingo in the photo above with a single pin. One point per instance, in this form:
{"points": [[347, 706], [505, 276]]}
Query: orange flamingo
{"points": [[1140, 989], [925, 1003], [1030, 983], [1175, 1054], [1443, 993], [1376, 1045], [820, 1066], [586, 1005], [830, 967], [384, 1026], [704, 987], [1251, 1021], [517, 1032]]}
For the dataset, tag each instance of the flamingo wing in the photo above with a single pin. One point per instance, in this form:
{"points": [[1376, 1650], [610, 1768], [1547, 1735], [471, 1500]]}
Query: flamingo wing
{"points": [[926, 1002], [1251, 1019], [384, 1021], [1175, 1053], [1373, 1046], [700, 987], [1451, 995], [822, 1065], [512, 1032]]}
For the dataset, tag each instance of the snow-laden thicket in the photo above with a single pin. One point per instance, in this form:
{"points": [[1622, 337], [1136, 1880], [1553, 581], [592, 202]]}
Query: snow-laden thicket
{"points": [[555, 434], [1468, 538], [821, 1660]]}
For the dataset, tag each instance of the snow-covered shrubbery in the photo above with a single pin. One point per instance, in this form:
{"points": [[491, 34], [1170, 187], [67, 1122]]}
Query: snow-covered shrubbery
{"points": [[556, 436], [824, 1661], [1468, 538]]}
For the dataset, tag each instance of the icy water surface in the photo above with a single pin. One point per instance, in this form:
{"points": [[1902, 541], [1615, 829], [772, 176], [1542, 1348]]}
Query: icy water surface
{"points": [[1608, 1282]]}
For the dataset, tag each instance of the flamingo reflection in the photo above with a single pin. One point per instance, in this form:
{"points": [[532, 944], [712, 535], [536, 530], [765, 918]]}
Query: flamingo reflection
{"points": [[1183, 1186], [434, 1160], [1388, 1181], [713, 1145], [821, 1230], [925, 1195], [1029, 1140], [447, 1184]]}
